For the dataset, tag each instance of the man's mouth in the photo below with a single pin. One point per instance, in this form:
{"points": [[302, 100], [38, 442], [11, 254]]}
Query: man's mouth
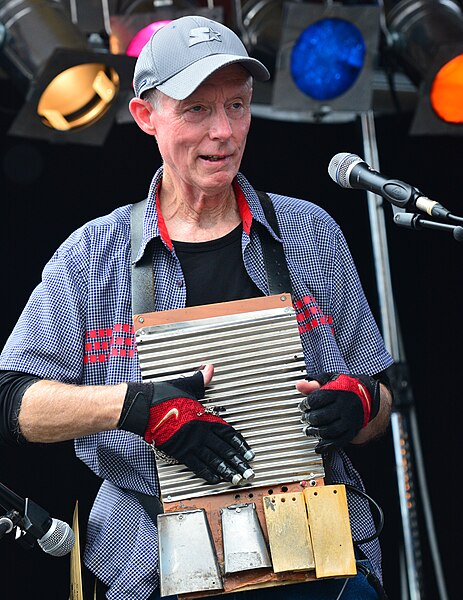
{"points": [[212, 157]]}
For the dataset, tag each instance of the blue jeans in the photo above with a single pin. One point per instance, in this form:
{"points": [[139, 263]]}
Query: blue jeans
{"points": [[356, 588]]}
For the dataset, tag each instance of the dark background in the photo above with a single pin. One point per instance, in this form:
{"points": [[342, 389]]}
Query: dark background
{"points": [[48, 190]]}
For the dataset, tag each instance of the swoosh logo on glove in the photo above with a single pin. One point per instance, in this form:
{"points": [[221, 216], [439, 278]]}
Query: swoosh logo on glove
{"points": [[173, 412]]}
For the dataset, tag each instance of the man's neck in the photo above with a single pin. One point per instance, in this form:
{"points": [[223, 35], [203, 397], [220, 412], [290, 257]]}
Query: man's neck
{"points": [[197, 218]]}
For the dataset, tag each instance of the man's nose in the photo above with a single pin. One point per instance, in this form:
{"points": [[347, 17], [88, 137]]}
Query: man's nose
{"points": [[220, 126]]}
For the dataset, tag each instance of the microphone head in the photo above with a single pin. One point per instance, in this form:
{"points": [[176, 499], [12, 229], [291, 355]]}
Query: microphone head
{"points": [[458, 233], [340, 166], [59, 539]]}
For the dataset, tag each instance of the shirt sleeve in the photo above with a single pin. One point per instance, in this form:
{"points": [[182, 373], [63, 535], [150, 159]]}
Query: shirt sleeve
{"points": [[356, 331], [48, 339]]}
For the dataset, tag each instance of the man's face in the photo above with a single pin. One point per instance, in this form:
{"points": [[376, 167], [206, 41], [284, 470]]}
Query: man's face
{"points": [[202, 139]]}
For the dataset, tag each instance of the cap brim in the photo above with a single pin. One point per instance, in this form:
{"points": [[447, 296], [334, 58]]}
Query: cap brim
{"points": [[183, 84]]}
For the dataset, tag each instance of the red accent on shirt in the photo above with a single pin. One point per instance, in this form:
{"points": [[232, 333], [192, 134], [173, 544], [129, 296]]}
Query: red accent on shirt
{"points": [[306, 309], [161, 223], [243, 207], [101, 345]]}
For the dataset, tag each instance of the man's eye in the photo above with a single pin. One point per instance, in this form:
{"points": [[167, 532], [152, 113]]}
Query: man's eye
{"points": [[196, 109]]}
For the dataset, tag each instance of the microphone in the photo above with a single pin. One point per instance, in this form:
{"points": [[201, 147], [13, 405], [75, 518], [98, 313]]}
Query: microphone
{"points": [[350, 171], [55, 537]]}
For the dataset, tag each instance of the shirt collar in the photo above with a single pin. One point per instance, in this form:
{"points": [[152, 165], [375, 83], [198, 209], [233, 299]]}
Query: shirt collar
{"points": [[153, 221]]}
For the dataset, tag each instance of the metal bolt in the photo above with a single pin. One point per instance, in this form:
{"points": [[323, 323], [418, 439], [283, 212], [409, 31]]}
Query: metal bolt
{"points": [[141, 320]]}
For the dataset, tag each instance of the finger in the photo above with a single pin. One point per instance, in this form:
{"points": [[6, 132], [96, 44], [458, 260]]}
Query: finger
{"points": [[241, 466], [207, 465], [195, 384], [328, 415], [326, 433], [323, 377], [217, 449], [221, 468], [208, 372], [192, 384], [227, 473], [200, 469], [237, 441], [316, 400], [310, 431], [334, 434], [323, 446], [240, 444], [307, 387], [227, 444]]}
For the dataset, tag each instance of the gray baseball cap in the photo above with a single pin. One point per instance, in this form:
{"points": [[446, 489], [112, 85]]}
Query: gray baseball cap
{"points": [[182, 54]]}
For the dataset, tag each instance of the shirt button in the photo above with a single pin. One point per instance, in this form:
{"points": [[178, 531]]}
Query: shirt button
{"points": [[180, 283]]}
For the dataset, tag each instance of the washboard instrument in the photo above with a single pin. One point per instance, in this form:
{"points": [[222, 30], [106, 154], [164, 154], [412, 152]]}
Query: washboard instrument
{"points": [[285, 526]]}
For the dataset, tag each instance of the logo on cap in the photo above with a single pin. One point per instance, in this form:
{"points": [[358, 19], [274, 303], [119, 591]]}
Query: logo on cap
{"points": [[203, 34]]}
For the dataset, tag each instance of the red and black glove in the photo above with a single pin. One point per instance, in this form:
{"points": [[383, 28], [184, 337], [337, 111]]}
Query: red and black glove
{"points": [[168, 415], [343, 406]]}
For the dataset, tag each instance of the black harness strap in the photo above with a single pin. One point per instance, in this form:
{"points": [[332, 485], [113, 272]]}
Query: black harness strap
{"points": [[274, 257]]}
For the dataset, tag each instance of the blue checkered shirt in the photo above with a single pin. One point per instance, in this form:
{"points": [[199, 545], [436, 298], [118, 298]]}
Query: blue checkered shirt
{"points": [[77, 328]]}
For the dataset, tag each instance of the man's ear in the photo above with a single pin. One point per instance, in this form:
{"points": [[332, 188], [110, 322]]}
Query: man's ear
{"points": [[141, 111]]}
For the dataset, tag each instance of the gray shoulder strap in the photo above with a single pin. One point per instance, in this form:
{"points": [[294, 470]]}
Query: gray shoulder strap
{"points": [[142, 271]]}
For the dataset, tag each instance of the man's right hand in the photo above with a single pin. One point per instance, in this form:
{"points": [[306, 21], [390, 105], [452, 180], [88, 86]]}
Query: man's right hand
{"points": [[168, 415]]}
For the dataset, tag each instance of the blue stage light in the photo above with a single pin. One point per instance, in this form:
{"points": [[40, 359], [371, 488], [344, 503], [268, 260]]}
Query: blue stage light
{"points": [[327, 58]]}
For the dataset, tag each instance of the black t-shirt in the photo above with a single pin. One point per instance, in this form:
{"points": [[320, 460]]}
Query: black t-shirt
{"points": [[214, 270]]}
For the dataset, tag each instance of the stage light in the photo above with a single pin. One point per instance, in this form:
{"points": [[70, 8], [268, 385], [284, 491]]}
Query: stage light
{"points": [[130, 32], [326, 57], [70, 88], [427, 37], [141, 37]]}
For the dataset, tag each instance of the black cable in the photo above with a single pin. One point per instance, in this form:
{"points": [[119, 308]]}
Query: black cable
{"points": [[373, 581], [379, 527]]}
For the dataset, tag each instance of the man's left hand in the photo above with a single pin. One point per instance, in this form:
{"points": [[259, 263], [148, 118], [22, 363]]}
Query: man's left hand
{"points": [[338, 406]]}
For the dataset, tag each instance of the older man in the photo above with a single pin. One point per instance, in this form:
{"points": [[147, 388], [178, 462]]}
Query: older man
{"points": [[70, 367]]}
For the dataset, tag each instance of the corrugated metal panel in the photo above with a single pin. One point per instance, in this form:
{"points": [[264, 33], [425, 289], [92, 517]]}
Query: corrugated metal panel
{"points": [[257, 358]]}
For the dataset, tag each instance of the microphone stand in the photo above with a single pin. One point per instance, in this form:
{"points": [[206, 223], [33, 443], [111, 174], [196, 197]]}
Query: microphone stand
{"points": [[415, 221], [28, 517], [8, 521], [407, 449]]}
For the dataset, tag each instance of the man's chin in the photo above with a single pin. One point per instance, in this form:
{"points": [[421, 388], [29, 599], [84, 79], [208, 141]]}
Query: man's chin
{"points": [[217, 179]]}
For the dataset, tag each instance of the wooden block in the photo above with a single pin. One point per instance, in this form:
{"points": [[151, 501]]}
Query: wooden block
{"points": [[288, 532], [219, 309], [330, 531]]}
